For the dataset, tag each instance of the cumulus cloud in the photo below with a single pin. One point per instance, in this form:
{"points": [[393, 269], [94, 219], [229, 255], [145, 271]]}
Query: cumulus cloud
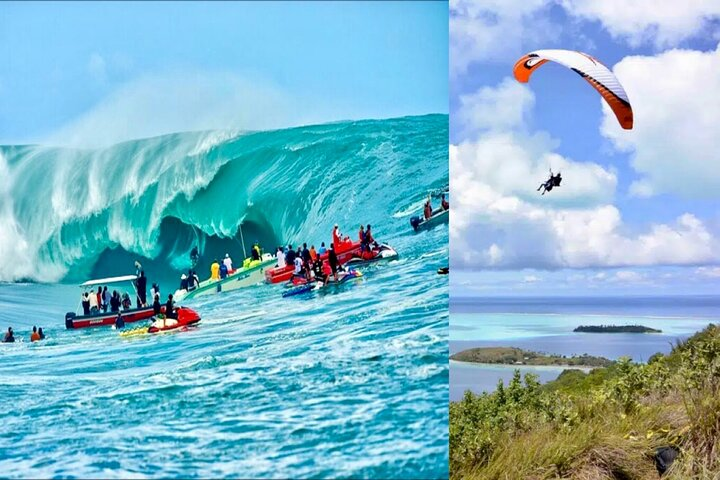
{"points": [[189, 100], [676, 101], [499, 221], [494, 29], [661, 23]]}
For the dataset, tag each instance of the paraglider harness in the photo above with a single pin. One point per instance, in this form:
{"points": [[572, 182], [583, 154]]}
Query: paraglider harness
{"points": [[553, 181]]}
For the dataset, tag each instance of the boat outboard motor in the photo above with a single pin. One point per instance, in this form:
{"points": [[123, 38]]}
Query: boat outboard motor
{"points": [[69, 317], [415, 221]]}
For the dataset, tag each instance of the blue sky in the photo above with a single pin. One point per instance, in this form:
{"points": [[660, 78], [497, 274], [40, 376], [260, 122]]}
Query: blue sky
{"points": [[65, 66], [638, 212]]}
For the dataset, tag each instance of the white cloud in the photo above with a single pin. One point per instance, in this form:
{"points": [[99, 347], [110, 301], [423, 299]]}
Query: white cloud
{"points": [[676, 101], [189, 100], [494, 29], [530, 279], [500, 221], [662, 23], [501, 107], [708, 272]]}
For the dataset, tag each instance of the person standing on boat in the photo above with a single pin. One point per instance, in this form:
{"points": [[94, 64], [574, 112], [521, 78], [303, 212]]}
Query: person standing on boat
{"points": [[334, 263], [255, 252], [428, 209], [336, 237], [280, 258], [313, 253], [215, 270], [322, 249], [115, 301], [298, 272], [183, 282], [142, 290], [105, 299], [228, 262], [85, 303], [369, 239], [444, 203], [223, 271], [290, 256], [93, 302]]}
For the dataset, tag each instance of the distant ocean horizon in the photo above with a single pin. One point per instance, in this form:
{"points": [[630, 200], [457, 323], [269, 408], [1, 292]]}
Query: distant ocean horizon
{"points": [[545, 324]]}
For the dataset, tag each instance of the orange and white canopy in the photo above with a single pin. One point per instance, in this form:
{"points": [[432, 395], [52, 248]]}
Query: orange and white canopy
{"points": [[596, 74]]}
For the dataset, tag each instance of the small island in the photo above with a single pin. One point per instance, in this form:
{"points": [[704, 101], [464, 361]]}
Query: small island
{"points": [[615, 329], [517, 356]]}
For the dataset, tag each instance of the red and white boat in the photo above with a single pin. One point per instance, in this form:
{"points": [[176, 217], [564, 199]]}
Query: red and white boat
{"points": [[100, 318], [347, 253]]}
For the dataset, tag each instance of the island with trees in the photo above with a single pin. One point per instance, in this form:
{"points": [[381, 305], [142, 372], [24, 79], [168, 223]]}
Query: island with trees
{"points": [[517, 356], [616, 329]]}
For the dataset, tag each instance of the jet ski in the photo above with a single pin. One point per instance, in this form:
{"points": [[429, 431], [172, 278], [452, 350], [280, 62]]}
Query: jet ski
{"points": [[308, 286], [185, 317], [382, 251]]}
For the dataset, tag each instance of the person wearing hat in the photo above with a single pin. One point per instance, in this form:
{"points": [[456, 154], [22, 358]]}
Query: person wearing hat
{"points": [[228, 262]]}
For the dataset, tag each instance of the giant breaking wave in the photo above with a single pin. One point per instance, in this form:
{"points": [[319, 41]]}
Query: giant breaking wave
{"points": [[68, 214]]}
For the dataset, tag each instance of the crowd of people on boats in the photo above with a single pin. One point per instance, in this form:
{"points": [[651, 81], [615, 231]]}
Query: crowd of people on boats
{"points": [[36, 335]]}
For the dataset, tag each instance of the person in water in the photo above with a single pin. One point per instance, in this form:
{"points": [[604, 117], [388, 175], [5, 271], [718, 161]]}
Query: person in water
{"points": [[322, 249], [228, 262], [141, 289], [170, 307], [215, 270], [119, 322], [444, 203], [157, 308], [9, 336], [34, 336], [41, 334], [280, 258], [334, 263]]}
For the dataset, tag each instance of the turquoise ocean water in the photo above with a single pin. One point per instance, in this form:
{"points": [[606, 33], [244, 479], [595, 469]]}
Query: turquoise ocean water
{"points": [[546, 325], [352, 382]]}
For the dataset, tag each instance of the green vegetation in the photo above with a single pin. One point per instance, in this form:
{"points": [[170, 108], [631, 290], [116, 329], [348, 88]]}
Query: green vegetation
{"points": [[602, 425], [616, 329], [516, 356]]}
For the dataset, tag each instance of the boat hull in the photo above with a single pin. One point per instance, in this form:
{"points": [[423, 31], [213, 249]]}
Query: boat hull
{"points": [[240, 279], [419, 224], [104, 319]]}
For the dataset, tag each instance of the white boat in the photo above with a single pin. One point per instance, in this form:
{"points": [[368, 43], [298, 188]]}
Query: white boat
{"points": [[253, 274]]}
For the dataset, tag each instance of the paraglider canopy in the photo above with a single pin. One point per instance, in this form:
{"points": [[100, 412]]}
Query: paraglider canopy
{"points": [[596, 74]]}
